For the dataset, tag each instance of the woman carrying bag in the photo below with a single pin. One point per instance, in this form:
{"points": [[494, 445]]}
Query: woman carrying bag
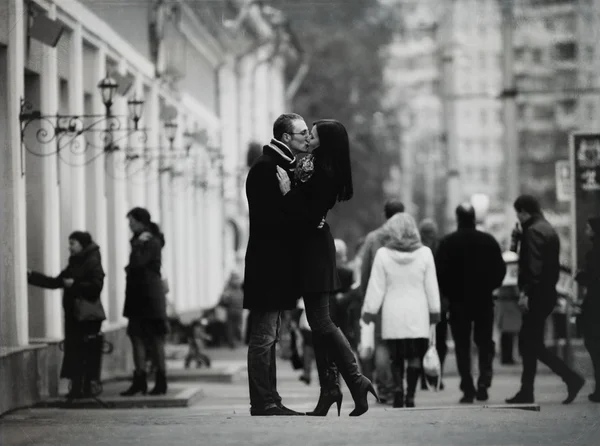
{"points": [[82, 281], [404, 285]]}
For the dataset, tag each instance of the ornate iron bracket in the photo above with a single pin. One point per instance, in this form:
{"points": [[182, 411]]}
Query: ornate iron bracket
{"points": [[78, 133]]}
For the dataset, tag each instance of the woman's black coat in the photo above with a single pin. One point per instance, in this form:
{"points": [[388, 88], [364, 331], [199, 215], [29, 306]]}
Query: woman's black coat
{"points": [[312, 200], [85, 268], [144, 293]]}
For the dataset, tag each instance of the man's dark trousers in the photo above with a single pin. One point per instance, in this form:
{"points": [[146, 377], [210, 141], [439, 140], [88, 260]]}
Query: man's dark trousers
{"points": [[478, 320], [531, 340], [262, 372]]}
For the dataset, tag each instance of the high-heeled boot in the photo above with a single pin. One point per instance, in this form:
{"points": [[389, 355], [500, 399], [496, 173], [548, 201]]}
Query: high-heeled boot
{"points": [[160, 384], [138, 385], [412, 377], [339, 348], [328, 380]]}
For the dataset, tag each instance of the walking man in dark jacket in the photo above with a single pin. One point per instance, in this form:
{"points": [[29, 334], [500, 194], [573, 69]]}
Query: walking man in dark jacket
{"points": [[470, 267], [270, 282], [538, 275]]}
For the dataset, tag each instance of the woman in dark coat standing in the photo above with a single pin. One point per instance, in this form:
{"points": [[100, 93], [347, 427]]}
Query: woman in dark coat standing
{"points": [[323, 178], [145, 302], [82, 281], [589, 277]]}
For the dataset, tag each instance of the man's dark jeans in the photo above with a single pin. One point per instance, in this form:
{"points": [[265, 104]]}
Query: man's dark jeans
{"points": [[262, 372], [531, 340], [467, 319]]}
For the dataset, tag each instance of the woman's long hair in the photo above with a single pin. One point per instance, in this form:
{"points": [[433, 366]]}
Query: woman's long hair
{"points": [[333, 154]]}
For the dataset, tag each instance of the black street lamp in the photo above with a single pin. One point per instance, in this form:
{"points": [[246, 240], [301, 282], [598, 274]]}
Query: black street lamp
{"points": [[107, 87]]}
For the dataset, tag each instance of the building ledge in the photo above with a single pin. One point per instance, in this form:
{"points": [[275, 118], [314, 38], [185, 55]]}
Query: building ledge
{"points": [[6, 351]]}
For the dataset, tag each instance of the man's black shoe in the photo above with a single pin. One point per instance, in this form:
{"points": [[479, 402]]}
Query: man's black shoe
{"points": [[573, 388], [467, 399], [482, 395], [290, 411], [275, 411], [520, 398]]}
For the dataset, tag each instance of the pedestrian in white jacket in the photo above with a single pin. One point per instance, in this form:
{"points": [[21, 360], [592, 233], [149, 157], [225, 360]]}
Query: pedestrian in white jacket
{"points": [[404, 285]]}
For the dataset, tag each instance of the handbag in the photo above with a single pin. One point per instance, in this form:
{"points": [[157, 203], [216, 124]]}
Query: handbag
{"points": [[86, 310], [431, 361], [366, 346]]}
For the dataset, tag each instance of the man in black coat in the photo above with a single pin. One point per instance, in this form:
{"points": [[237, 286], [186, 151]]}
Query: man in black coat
{"points": [[539, 269], [470, 267], [270, 280]]}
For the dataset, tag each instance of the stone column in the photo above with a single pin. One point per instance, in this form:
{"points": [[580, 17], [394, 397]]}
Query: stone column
{"points": [[13, 220], [152, 121], [118, 232], [72, 155], [167, 219], [96, 205], [44, 242], [180, 244]]}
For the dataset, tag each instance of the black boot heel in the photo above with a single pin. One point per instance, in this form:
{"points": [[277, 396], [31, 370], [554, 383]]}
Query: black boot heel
{"points": [[373, 391], [339, 405], [326, 400]]}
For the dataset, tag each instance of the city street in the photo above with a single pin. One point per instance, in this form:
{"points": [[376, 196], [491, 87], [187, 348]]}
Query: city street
{"points": [[222, 417]]}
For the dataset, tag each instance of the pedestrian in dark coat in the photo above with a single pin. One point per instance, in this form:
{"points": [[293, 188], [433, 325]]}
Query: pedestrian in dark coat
{"points": [[589, 277], [82, 281], [470, 267], [538, 275], [145, 302], [271, 278], [324, 178]]}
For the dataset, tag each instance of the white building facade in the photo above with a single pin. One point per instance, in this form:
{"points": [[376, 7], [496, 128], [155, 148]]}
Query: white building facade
{"points": [[207, 94]]}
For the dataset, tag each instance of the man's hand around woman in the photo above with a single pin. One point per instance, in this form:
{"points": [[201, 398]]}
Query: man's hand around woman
{"points": [[285, 185]]}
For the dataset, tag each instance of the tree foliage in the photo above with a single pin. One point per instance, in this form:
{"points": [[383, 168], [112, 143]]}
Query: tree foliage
{"points": [[347, 42]]}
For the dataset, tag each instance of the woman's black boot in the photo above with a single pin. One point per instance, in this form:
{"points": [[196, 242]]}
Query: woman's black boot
{"points": [[412, 377], [398, 374], [343, 356], [160, 385], [328, 379], [138, 385]]}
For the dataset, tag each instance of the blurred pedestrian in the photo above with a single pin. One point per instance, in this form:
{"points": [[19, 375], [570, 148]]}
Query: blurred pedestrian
{"points": [[538, 275], [589, 277], [508, 314], [470, 267], [232, 300], [145, 302], [429, 236], [339, 302], [82, 281], [379, 363], [403, 285]]}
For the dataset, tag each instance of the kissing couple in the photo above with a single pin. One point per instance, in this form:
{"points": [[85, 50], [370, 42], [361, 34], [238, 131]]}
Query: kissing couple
{"points": [[291, 254]]}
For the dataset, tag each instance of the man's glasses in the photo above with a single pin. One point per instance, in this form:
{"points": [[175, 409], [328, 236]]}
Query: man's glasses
{"points": [[303, 133]]}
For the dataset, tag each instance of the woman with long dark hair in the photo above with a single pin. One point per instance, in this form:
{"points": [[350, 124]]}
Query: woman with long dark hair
{"points": [[145, 302], [321, 180], [589, 277]]}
